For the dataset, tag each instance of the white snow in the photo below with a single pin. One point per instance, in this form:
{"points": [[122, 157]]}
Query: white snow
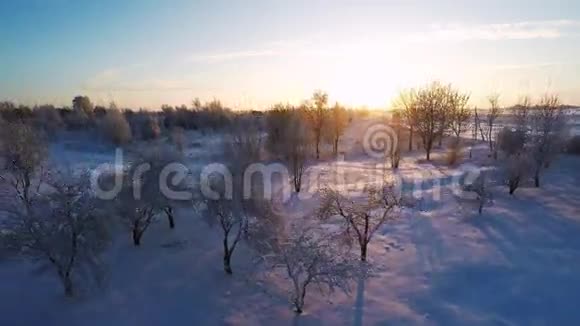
{"points": [[440, 264]]}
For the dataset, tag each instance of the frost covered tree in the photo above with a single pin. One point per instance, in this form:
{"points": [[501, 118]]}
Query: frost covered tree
{"points": [[115, 127], [277, 127], [231, 212], [459, 112], [23, 152], [338, 121], [230, 216], [290, 139], [63, 229], [144, 193], [134, 209], [548, 124], [406, 104], [395, 154], [244, 141], [163, 162], [480, 188], [430, 114], [297, 149], [312, 259], [362, 217], [488, 125], [317, 115], [516, 170]]}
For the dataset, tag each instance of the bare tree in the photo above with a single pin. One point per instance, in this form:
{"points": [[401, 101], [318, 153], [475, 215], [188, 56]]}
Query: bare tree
{"points": [[493, 113], [289, 138], [297, 149], [548, 123], [142, 198], [277, 127], [511, 141], [116, 128], [23, 151], [480, 188], [338, 122], [460, 113], [311, 258], [395, 154], [363, 218], [231, 216], [245, 141], [516, 170], [316, 114], [48, 119], [431, 114], [521, 114], [64, 229], [135, 212], [406, 103], [160, 161]]}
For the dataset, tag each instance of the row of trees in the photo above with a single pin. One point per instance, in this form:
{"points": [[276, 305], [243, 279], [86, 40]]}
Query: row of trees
{"points": [[525, 148], [52, 216], [538, 135], [116, 125], [297, 133], [432, 111]]}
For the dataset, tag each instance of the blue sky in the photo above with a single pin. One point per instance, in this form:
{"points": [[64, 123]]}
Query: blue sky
{"points": [[254, 53]]}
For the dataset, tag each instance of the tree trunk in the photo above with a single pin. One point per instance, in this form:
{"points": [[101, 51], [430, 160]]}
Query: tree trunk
{"points": [[299, 302], [68, 285], [317, 143], [137, 237], [228, 264], [410, 139], [297, 184], [298, 306], [480, 208], [363, 252], [513, 186], [169, 213], [335, 149], [227, 257], [537, 179]]}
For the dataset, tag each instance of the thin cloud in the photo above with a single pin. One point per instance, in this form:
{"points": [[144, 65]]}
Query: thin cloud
{"points": [[122, 79], [494, 32], [229, 56]]}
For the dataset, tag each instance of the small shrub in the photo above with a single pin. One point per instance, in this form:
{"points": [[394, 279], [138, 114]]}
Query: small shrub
{"points": [[150, 129], [115, 128], [511, 141]]}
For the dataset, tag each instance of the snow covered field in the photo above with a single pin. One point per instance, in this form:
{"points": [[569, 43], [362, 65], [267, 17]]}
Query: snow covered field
{"points": [[440, 264]]}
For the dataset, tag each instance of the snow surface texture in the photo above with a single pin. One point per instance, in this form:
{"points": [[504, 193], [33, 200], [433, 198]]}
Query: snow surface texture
{"points": [[441, 264]]}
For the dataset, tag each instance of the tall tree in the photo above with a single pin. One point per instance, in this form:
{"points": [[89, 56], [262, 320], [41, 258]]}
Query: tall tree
{"points": [[430, 114], [406, 104], [338, 122], [363, 217], [548, 122], [493, 113], [460, 113], [317, 112]]}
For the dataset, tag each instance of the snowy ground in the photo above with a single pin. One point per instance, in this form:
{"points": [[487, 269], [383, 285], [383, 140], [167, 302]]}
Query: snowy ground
{"points": [[441, 264]]}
